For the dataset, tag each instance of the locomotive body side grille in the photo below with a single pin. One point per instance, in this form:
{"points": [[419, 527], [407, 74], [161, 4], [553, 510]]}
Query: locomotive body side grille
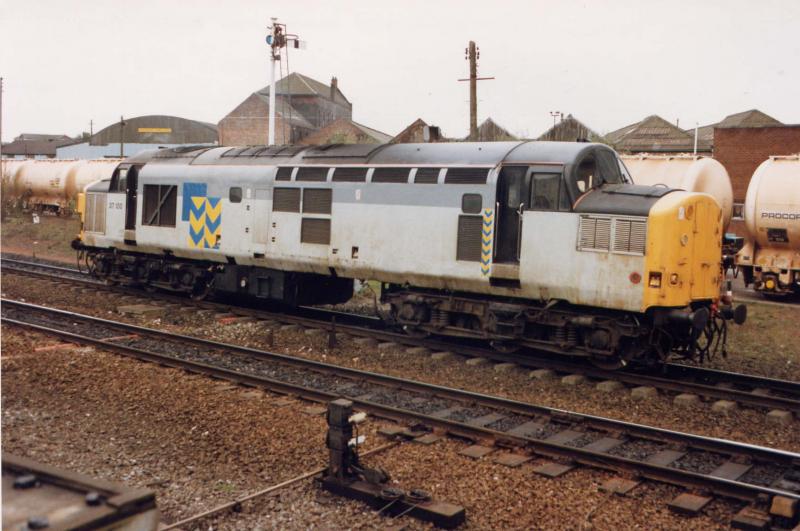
{"points": [[286, 200], [468, 246], [315, 230], [615, 234]]}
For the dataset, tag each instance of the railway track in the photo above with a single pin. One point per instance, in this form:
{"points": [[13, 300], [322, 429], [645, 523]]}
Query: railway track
{"points": [[725, 468], [745, 389]]}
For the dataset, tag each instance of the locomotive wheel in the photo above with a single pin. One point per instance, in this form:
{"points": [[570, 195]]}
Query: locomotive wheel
{"points": [[608, 363], [413, 331], [504, 347], [200, 291]]}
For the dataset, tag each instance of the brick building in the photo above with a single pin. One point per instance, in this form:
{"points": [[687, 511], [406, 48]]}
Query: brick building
{"points": [[742, 149], [302, 106]]}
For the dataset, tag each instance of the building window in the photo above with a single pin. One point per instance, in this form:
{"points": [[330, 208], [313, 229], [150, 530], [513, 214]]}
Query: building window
{"points": [[160, 205], [235, 195], [738, 212]]}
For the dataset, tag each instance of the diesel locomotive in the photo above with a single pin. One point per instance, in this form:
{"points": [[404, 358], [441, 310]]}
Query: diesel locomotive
{"points": [[541, 244]]}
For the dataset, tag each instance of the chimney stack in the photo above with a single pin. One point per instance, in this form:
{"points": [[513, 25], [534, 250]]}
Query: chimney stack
{"points": [[334, 87]]}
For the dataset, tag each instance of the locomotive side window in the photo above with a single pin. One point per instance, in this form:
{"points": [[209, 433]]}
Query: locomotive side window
{"points": [[235, 195], [160, 205], [545, 191], [471, 203]]}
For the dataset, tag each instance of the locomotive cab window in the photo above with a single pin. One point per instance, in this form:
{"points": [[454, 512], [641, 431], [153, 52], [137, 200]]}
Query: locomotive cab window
{"points": [[235, 195], [119, 180], [160, 205], [545, 191]]}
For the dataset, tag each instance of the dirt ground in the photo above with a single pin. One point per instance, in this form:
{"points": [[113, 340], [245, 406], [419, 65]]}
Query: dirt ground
{"points": [[50, 238]]}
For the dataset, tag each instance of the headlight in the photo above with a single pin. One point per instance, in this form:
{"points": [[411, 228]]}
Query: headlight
{"points": [[654, 280]]}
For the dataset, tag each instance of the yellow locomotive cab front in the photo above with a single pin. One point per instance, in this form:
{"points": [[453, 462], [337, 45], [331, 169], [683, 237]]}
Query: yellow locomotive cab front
{"points": [[684, 251]]}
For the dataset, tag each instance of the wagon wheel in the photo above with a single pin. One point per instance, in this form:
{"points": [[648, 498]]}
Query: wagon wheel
{"points": [[201, 289]]}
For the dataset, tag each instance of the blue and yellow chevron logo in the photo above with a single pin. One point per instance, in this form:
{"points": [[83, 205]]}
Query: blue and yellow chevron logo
{"points": [[487, 231], [204, 215]]}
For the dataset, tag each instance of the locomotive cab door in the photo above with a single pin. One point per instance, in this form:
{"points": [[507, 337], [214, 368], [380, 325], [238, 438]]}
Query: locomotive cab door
{"points": [[513, 187], [131, 196]]}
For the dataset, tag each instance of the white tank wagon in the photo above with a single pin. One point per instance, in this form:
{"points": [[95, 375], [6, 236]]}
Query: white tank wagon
{"points": [[53, 185], [686, 172], [770, 258]]}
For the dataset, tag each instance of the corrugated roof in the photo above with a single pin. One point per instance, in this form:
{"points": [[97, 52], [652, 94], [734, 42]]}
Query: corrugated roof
{"points": [[653, 134], [490, 131], [570, 129], [36, 144], [751, 118]]}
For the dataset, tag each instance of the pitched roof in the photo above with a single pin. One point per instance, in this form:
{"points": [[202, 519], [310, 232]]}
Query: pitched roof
{"points": [[36, 144], [404, 135], [296, 84], [653, 134], [490, 131], [570, 129], [751, 118], [344, 131]]}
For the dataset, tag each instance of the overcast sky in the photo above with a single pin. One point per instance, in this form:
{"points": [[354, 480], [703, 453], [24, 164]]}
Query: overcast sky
{"points": [[609, 63]]}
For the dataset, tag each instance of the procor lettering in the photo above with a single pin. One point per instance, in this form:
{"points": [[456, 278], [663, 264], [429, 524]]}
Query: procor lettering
{"points": [[781, 215]]}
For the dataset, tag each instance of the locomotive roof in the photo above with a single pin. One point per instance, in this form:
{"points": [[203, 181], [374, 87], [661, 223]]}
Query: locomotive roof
{"points": [[453, 153]]}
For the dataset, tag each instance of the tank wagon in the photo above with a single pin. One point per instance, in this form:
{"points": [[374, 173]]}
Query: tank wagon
{"points": [[50, 185], [770, 258], [545, 244], [693, 174]]}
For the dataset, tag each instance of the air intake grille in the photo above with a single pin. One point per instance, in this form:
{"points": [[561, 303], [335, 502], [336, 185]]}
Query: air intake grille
{"points": [[350, 175], [95, 213], [466, 176], [314, 230], [426, 176], [390, 175], [469, 238], [317, 201], [594, 233], [312, 174], [630, 236], [286, 200]]}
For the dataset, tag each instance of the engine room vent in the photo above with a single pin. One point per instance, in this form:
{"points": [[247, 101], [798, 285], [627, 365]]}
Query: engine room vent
{"points": [[390, 175], [286, 200], [350, 175], [427, 176], [469, 238], [630, 236], [466, 175], [317, 200], [95, 216], [313, 230], [594, 233], [312, 174]]}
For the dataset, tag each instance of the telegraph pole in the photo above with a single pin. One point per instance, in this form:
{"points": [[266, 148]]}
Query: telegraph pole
{"points": [[1, 128], [472, 54], [121, 137]]}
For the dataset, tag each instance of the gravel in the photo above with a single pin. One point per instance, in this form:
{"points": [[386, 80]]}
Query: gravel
{"points": [[745, 425]]}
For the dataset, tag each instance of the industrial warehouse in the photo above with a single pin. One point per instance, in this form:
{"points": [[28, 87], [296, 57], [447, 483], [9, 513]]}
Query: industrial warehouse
{"points": [[324, 271]]}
